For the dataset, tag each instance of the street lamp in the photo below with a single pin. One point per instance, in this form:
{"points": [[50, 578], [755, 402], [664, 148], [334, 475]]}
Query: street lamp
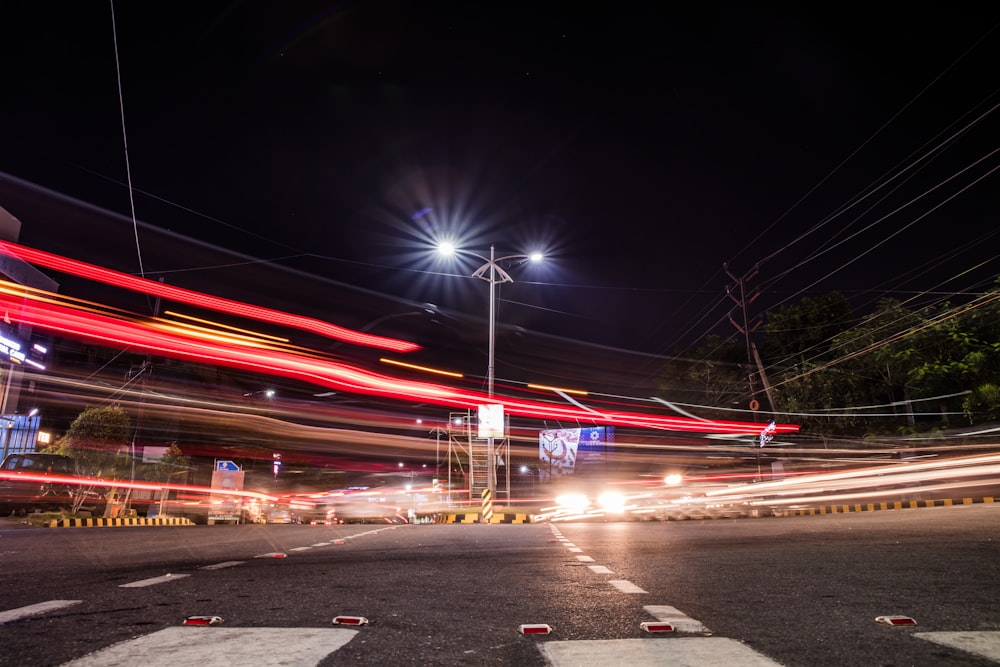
{"points": [[494, 274]]}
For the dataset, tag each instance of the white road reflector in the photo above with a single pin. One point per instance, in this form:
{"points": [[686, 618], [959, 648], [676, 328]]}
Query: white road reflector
{"points": [[534, 629], [202, 620], [895, 620], [350, 620], [656, 626]]}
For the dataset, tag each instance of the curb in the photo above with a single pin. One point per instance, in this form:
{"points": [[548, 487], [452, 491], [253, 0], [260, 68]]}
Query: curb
{"points": [[473, 517], [877, 507], [126, 521]]}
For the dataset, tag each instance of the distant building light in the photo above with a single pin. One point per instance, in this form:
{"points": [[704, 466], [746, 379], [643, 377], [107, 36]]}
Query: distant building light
{"points": [[44, 437]]}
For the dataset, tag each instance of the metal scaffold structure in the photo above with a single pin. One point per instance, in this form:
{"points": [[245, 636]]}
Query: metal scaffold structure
{"points": [[470, 455]]}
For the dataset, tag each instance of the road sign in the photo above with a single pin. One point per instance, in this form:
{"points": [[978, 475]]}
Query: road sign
{"points": [[226, 465]]}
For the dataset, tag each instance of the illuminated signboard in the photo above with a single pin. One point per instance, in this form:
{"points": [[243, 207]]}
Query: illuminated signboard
{"points": [[10, 349]]}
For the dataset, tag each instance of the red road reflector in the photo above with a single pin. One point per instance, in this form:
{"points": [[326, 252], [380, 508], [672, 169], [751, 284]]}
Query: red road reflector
{"points": [[350, 620], [656, 626], [273, 554], [202, 620], [895, 620], [338, 541], [534, 629]]}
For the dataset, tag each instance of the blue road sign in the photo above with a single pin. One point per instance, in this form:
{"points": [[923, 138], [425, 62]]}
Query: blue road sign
{"points": [[226, 465]]}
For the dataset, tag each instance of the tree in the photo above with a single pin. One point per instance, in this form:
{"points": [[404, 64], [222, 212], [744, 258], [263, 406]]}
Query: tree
{"points": [[711, 375], [803, 332], [97, 440]]}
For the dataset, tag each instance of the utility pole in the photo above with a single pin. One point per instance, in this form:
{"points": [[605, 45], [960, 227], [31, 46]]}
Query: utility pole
{"points": [[738, 293]]}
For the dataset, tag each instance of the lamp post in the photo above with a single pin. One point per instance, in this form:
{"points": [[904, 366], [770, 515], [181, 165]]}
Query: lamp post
{"points": [[493, 273]]}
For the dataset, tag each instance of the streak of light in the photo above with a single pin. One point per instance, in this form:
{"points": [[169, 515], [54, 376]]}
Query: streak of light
{"points": [[425, 369], [69, 480], [107, 330], [577, 392], [198, 299], [220, 325]]}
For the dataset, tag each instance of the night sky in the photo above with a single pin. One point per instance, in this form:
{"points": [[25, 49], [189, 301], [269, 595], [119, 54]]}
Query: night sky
{"points": [[831, 147]]}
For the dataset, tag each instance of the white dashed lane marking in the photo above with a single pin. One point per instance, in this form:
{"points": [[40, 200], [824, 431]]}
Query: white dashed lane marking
{"points": [[985, 643], [222, 566], [681, 621], [35, 609], [221, 647], [646, 653], [585, 559], [600, 569], [154, 580], [625, 586]]}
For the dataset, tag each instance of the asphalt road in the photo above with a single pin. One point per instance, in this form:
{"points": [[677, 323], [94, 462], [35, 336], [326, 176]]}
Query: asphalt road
{"points": [[793, 591]]}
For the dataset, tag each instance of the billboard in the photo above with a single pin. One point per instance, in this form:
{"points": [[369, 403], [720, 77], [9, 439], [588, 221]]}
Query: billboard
{"points": [[568, 451]]}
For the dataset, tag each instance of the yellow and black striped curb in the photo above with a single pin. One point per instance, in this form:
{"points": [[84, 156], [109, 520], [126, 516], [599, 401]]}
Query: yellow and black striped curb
{"points": [[473, 517], [125, 521], [876, 507]]}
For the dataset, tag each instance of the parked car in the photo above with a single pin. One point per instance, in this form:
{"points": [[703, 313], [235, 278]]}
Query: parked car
{"points": [[35, 481]]}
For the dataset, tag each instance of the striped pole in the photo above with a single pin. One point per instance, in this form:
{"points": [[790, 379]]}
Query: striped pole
{"points": [[487, 506]]}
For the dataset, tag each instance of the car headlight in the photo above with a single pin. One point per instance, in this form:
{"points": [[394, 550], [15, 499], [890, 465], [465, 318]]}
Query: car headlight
{"points": [[575, 502], [611, 501]]}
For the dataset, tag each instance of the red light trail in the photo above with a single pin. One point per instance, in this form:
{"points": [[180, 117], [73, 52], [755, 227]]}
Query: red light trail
{"points": [[206, 301], [39, 309]]}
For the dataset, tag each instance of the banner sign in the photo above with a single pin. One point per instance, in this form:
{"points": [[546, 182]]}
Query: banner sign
{"points": [[560, 451]]}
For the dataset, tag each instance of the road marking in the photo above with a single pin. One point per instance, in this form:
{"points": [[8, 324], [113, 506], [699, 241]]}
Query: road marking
{"points": [[625, 586], [301, 549], [985, 643], [600, 569], [34, 609], [585, 559], [321, 544], [154, 580], [576, 550], [681, 621], [221, 647], [220, 566], [646, 653]]}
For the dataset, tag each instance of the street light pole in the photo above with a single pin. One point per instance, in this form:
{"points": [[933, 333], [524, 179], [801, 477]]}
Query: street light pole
{"points": [[494, 274], [493, 322], [491, 477]]}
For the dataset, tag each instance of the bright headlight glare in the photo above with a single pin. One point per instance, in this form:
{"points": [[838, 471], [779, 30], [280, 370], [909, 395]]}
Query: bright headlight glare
{"points": [[611, 501], [573, 501]]}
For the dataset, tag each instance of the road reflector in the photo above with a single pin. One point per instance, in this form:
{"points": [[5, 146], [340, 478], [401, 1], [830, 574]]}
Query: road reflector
{"points": [[350, 620], [534, 629], [202, 620], [338, 541], [656, 626], [273, 554], [895, 620]]}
